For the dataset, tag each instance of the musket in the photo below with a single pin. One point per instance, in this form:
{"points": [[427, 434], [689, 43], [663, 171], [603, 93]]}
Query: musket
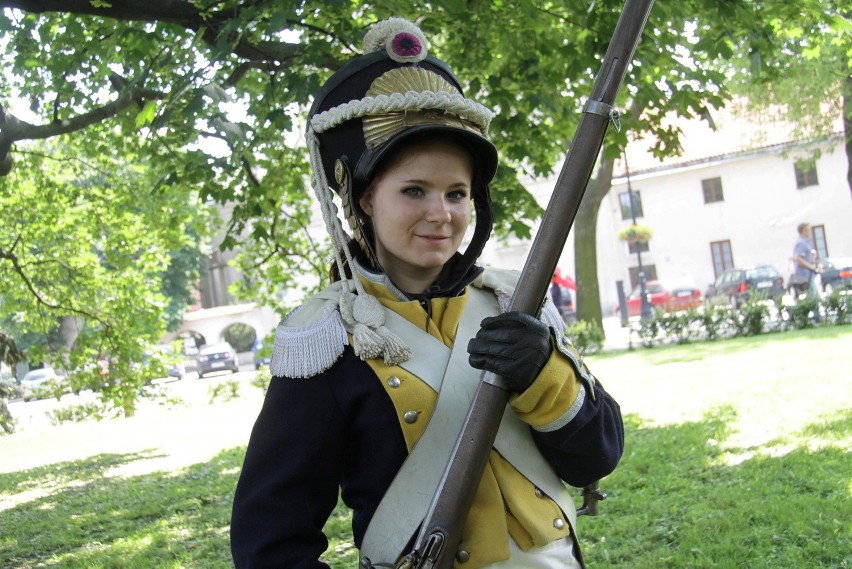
{"points": [[440, 534]]}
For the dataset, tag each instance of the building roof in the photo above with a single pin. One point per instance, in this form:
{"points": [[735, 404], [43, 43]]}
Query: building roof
{"points": [[737, 132]]}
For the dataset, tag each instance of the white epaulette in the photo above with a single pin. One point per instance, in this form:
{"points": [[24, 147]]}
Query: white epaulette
{"points": [[310, 338]]}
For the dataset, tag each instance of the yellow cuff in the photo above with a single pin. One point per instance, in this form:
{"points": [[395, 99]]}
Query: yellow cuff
{"points": [[551, 397]]}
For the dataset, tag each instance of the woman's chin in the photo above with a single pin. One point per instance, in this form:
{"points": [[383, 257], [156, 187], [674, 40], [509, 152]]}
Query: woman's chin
{"points": [[432, 261]]}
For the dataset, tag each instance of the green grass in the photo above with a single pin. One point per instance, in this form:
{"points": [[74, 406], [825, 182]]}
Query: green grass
{"points": [[679, 500], [737, 455], [79, 518]]}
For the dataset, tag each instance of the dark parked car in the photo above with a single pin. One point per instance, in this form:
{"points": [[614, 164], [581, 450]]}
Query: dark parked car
{"points": [[665, 296], [736, 286], [176, 368], [836, 274], [216, 357], [262, 358], [176, 371]]}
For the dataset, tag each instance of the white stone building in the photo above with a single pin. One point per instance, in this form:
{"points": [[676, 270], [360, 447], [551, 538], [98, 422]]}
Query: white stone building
{"points": [[734, 198]]}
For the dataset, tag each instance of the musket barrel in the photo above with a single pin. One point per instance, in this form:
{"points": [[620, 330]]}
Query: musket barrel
{"points": [[580, 161], [454, 496]]}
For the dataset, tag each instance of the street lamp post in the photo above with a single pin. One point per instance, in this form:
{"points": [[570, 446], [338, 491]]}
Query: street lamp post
{"points": [[645, 306]]}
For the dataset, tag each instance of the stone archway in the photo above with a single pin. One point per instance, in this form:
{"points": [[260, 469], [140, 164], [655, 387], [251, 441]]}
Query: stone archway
{"points": [[208, 326], [240, 335], [192, 340]]}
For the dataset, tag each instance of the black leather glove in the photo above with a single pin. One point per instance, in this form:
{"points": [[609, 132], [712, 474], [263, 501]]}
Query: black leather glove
{"points": [[514, 345]]}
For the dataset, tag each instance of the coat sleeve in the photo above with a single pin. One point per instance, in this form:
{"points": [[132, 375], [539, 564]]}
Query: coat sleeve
{"points": [[576, 424], [590, 445], [289, 481], [336, 432]]}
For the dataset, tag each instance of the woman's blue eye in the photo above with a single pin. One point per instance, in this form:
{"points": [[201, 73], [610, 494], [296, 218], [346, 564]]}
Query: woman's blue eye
{"points": [[457, 195], [412, 191]]}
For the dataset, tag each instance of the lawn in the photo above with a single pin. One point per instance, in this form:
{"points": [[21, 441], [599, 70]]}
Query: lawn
{"points": [[738, 455]]}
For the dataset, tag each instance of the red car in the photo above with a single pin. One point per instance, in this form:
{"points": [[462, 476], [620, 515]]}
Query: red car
{"points": [[665, 296]]}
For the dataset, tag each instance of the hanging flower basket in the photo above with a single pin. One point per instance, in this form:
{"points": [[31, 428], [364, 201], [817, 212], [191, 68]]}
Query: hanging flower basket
{"points": [[636, 234]]}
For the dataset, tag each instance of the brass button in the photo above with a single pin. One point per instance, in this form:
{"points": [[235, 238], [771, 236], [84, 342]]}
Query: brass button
{"points": [[462, 556], [339, 171], [539, 493], [410, 417], [558, 523], [394, 381]]}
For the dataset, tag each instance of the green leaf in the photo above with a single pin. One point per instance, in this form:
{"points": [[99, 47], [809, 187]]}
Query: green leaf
{"points": [[146, 115]]}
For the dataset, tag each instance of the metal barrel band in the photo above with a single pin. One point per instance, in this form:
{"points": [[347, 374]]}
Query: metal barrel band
{"points": [[602, 109]]}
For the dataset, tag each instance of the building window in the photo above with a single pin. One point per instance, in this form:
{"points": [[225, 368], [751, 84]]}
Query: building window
{"points": [[712, 190], [624, 200], [650, 275], [806, 174], [818, 238], [723, 258], [638, 247]]}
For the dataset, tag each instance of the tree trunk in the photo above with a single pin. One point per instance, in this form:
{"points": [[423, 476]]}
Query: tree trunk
{"points": [[847, 123], [70, 327], [128, 404], [585, 244]]}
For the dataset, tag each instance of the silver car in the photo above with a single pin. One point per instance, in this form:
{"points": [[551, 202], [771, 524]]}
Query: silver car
{"points": [[40, 383]]}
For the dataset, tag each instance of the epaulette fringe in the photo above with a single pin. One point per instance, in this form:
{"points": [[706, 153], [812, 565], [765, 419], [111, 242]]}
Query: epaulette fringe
{"points": [[305, 351]]}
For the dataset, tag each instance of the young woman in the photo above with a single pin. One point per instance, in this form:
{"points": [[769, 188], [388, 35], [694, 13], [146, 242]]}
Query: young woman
{"points": [[372, 377]]}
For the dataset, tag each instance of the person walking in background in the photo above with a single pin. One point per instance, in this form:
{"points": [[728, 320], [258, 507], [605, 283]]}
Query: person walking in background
{"points": [[805, 268], [369, 375], [560, 294]]}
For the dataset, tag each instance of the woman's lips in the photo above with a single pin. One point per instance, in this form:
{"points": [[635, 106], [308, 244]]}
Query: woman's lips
{"points": [[435, 238]]}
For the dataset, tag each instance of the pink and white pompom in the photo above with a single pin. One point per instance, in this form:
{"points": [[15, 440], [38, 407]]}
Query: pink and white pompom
{"points": [[401, 38]]}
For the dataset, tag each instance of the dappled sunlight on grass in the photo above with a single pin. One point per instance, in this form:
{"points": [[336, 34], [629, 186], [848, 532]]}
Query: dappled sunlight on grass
{"points": [[180, 437], [776, 385], [43, 482], [823, 434], [152, 520], [677, 501]]}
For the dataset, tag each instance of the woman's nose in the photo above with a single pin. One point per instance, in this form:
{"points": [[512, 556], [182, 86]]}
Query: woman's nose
{"points": [[437, 209]]}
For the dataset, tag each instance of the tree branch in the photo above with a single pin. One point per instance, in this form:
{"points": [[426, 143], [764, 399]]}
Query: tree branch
{"points": [[178, 12], [16, 265], [210, 25], [249, 172], [243, 68], [13, 129], [16, 129]]}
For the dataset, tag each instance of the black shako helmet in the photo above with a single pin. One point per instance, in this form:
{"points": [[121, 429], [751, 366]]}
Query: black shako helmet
{"points": [[395, 92]]}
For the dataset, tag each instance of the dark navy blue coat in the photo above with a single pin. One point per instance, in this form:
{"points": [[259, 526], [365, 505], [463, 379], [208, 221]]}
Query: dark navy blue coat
{"points": [[339, 430]]}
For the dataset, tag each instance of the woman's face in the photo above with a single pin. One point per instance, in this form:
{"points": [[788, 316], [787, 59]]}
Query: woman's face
{"points": [[419, 204]]}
